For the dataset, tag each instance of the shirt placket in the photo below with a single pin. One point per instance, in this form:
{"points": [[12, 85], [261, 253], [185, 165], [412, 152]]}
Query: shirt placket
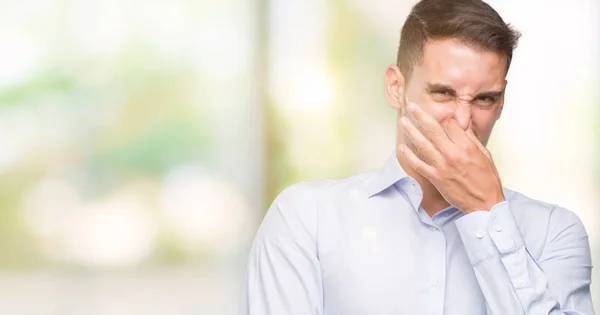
{"points": [[436, 273], [433, 268]]}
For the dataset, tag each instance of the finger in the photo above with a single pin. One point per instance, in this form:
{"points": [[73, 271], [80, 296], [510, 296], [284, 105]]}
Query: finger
{"points": [[430, 127], [421, 144], [456, 134], [417, 164], [479, 145]]}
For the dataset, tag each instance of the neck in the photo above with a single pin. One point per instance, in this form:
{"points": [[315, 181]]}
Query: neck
{"points": [[433, 201]]}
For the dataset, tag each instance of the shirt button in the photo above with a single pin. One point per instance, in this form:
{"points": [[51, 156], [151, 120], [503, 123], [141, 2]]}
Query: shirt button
{"points": [[498, 228], [519, 284], [433, 283], [433, 228], [479, 234]]}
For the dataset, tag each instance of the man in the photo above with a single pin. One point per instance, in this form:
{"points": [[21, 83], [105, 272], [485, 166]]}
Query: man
{"points": [[433, 232]]}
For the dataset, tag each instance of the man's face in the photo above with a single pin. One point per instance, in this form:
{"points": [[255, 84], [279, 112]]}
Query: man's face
{"points": [[455, 81]]}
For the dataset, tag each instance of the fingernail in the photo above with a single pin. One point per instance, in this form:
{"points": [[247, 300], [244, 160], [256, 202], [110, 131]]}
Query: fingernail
{"points": [[411, 107]]}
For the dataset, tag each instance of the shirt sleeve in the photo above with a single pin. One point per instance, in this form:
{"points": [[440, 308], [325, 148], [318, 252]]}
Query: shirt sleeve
{"points": [[512, 281], [283, 274]]}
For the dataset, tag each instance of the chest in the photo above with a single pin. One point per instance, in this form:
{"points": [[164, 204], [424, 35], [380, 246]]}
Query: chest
{"points": [[396, 264]]}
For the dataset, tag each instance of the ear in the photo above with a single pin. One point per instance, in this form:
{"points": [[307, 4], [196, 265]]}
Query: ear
{"points": [[501, 105], [395, 88]]}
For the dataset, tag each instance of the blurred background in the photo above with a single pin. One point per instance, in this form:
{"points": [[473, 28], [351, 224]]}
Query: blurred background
{"points": [[143, 141]]}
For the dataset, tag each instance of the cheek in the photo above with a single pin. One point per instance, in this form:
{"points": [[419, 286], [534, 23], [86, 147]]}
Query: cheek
{"points": [[483, 122], [439, 111]]}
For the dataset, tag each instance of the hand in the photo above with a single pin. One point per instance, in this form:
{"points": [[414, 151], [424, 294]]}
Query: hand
{"points": [[456, 163]]}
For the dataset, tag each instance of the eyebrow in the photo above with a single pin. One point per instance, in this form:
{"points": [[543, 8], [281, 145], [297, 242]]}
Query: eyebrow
{"points": [[490, 94], [436, 87]]}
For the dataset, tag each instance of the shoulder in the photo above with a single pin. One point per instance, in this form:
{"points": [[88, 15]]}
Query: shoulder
{"points": [[310, 194], [297, 206]]}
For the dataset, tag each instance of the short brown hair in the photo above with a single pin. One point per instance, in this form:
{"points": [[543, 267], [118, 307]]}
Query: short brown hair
{"points": [[472, 22]]}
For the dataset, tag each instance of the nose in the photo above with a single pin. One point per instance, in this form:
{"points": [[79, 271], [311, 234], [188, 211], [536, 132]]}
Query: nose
{"points": [[462, 114]]}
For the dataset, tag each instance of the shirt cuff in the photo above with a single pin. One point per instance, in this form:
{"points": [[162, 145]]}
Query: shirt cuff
{"points": [[486, 234]]}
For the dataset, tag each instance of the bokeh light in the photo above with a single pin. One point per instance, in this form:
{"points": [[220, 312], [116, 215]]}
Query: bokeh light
{"points": [[142, 142]]}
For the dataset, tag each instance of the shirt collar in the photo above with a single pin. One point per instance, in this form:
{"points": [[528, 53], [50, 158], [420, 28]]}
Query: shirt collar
{"points": [[386, 177]]}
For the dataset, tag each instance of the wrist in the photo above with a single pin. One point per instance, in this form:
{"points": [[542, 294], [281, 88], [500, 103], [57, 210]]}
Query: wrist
{"points": [[487, 205]]}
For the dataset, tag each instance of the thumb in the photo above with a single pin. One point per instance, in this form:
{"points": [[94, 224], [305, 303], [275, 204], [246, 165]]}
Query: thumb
{"points": [[482, 148]]}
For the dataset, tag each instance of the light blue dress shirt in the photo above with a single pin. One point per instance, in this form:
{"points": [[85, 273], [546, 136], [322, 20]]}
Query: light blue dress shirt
{"points": [[364, 246]]}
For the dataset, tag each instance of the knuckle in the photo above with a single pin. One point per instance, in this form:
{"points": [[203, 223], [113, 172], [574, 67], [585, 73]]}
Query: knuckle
{"points": [[452, 158], [431, 130], [470, 148], [420, 147], [443, 166]]}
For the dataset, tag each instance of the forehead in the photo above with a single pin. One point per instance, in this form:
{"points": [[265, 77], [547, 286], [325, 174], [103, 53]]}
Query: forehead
{"points": [[463, 67]]}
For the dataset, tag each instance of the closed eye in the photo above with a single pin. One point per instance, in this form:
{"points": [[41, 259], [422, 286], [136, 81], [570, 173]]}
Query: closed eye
{"points": [[486, 101], [442, 91], [442, 95]]}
